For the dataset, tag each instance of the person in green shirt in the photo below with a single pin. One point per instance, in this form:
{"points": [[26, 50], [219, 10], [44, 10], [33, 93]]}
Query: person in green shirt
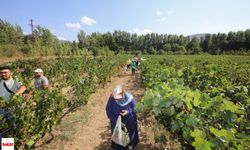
{"points": [[133, 66]]}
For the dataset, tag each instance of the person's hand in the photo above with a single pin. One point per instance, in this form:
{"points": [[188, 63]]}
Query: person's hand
{"points": [[124, 113], [16, 94]]}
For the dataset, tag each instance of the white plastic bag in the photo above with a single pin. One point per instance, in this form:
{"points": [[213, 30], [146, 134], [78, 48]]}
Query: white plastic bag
{"points": [[120, 135]]}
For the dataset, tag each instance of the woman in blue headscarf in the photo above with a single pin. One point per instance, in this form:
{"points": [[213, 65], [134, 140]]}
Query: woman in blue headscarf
{"points": [[122, 103]]}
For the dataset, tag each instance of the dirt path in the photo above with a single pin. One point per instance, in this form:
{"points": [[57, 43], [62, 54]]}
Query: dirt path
{"points": [[88, 127]]}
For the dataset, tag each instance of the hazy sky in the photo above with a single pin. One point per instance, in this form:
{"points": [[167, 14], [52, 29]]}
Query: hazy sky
{"points": [[65, 18]]}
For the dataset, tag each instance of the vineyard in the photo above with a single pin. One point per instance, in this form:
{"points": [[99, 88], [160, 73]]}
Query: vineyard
{"points": [[72, 81], [202, 99], [182, 68]]}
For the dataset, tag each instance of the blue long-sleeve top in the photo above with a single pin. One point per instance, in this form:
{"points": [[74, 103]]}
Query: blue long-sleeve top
{"points": [[114, 108]]}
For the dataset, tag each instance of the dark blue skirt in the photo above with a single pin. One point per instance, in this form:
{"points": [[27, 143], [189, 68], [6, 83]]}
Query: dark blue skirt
{"points": [[131, 124]]}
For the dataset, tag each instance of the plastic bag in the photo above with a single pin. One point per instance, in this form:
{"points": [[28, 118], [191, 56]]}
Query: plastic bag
{"points": [[120, 134]]}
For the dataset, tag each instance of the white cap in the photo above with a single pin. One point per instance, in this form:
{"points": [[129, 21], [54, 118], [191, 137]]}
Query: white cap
{"points": [[117, 92], [38, 70]]}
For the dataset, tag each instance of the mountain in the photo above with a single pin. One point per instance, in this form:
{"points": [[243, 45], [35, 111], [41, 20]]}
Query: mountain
{"points": [[198, 36]]}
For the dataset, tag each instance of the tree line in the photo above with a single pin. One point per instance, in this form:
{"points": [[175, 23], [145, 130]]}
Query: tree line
{"points": [[40, 43], [121, 41], [43, 43]]}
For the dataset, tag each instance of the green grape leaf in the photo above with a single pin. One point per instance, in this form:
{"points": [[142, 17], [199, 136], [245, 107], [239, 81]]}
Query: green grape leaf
{"points": [[170, 111], [222, 133], [30, 143], [188, 99], [180, 73], [168, 103], [227, 105], [156, 111], [197, 99], [174, 125], [201, 144], [197, 133]]}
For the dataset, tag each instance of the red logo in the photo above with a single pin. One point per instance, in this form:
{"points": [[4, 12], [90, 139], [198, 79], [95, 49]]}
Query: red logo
{"points": [[8, 144]]}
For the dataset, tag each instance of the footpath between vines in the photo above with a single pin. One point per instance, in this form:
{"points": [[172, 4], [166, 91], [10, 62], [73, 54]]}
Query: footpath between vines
{"points": [[88, 126]]}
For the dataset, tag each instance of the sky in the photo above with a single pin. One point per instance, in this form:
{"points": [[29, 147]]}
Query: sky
{"points": [[64, 18]]}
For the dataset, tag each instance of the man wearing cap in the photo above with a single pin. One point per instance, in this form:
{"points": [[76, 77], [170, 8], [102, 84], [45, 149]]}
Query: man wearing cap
{"points": [[122, 103], [8, 85], [41, 82]]}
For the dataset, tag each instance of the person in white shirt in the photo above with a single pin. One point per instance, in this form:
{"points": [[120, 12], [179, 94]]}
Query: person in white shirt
{"points": [[41, 82]]}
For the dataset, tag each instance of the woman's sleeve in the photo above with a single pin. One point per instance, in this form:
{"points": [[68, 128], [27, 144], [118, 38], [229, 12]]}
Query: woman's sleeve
{"points": [[109, 112]]}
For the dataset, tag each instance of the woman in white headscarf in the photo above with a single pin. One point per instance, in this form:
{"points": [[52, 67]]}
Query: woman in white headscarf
{"points": [[122, 103]]}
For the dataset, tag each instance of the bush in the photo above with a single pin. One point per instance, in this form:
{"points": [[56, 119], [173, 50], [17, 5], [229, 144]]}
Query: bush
{"points": [[26, 49], [102, 51], [162, 52], [8, 50]]}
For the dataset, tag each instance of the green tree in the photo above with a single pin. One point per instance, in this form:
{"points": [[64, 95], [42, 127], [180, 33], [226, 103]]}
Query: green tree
{"points": [[167, 47], [194, 46], [10, 34], [82, 39], [206, 44]]}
